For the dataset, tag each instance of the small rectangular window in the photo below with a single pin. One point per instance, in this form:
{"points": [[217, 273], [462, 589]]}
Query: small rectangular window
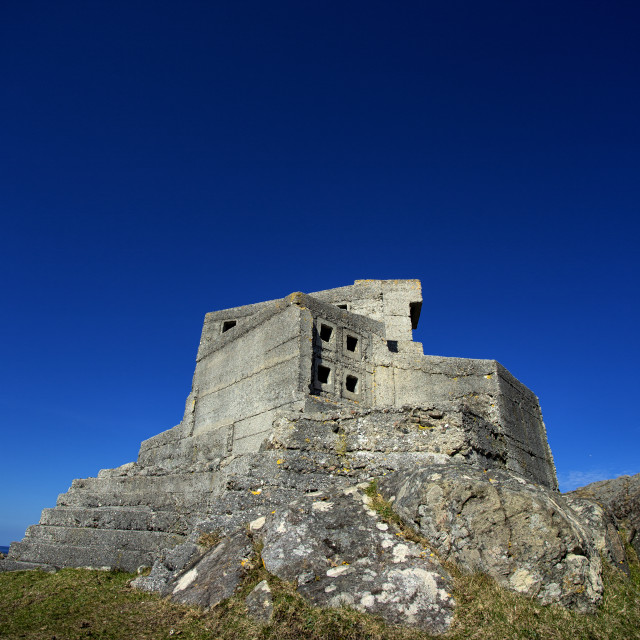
{"points": [[344, 306], [228, 324], [351, 384], [392, 345], [352, 343], [323, 374], [326, 332]]}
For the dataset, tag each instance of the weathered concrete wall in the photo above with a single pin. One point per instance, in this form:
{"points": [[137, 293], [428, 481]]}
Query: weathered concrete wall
{"points": [[521, 421], [482, 386], [396, 303], [342, 353], [242, 380], [426, 379]]}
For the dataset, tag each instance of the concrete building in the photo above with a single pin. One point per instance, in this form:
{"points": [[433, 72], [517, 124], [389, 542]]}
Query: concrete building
{"points": [[326, 357]]}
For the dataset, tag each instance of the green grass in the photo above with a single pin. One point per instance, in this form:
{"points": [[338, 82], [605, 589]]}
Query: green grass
{"points": [[80, 604]]}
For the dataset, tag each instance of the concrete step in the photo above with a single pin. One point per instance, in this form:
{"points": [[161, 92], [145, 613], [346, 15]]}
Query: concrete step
{"points": [[123, 518], [129, 540], [179, 502], [6, 564], [78, 556], [183, 493]]}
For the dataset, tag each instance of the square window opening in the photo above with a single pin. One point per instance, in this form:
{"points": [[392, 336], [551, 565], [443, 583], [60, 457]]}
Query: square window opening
{"points": [[228, 324], [392, 345], [323, 374], [325, 332], [352, 343], [351, 384]]}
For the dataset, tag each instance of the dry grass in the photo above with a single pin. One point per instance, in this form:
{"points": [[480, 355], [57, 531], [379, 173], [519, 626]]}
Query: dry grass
{"points": [[385, 510], [209, 540]]}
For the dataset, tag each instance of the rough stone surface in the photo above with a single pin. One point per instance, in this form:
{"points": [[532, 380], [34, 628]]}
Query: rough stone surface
{"points": [[601, 525], [210, 578], [339, 553], [169, 563], [333, 546], [621, 497], [260, 602], [523, 535]]}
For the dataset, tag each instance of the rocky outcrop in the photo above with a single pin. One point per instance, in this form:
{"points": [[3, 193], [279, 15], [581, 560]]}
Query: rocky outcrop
{"points": [[621, 498], [337, 551], [495, 522], [213, 576], [602, 529]]}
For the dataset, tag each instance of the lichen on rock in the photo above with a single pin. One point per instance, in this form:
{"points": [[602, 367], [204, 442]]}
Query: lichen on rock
{"points": [[343, 555], [525, 536]]}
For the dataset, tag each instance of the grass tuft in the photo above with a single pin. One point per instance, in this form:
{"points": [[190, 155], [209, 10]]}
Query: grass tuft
{"points": [[385, 510], [209, 539]]}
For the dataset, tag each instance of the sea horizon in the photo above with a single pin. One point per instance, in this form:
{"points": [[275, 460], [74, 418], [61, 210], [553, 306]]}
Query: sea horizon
{"points": [[4, 550]]}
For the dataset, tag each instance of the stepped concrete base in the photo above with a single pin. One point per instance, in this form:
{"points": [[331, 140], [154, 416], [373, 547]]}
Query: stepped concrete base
{"points": [[126, 517], [85, 557], [15, 565], [77, 547]]}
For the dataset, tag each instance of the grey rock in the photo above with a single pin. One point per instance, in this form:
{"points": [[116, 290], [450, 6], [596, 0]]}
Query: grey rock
{"points": [[601, 525], [170, 562], [214, 575], [339, 553], [621, 497], [260, 602], [177, 558], [523, 535]]}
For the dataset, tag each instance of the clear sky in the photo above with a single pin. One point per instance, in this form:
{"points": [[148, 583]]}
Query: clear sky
{"points": [[159, 160]]}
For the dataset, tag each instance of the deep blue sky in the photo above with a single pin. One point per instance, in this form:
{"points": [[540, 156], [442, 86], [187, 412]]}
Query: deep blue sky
{"points": [[159, 160]]}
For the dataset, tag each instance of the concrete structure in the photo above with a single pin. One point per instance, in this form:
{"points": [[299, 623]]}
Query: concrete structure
{"points": [[307, 360]]}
